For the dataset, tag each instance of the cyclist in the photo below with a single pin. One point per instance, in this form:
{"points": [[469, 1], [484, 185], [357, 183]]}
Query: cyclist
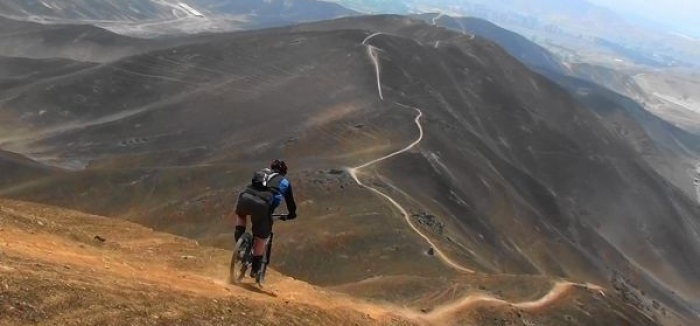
{"points": [[259, 200]]}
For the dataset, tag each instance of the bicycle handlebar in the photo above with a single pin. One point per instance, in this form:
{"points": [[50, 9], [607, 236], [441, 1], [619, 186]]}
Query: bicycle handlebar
{"points": [[281, 217]]}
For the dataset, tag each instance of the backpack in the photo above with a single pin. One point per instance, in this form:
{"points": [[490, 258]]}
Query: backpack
{"points": [[266, 179]]}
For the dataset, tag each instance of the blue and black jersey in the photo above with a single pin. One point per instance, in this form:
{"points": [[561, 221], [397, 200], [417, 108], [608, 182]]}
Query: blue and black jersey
{"points": [[283, 189]]}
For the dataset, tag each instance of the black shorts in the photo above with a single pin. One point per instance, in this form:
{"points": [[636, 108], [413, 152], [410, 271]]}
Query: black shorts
{"points": [[260, 213]]}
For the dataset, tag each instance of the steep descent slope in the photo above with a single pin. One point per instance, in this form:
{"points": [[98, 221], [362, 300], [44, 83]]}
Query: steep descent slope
{"points": [[62, 266]]}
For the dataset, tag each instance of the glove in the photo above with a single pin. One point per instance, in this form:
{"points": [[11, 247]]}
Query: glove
{"points": [[291, 216]]}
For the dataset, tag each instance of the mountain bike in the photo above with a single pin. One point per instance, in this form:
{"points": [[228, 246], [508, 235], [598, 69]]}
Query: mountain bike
{"points": [[242, 258]]}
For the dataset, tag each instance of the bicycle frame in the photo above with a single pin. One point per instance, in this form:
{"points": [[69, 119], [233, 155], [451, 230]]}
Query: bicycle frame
{"points": [[248, 255]]}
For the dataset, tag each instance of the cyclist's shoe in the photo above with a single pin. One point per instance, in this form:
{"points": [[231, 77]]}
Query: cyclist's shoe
{"points": [[254, 272], [255, 266]]}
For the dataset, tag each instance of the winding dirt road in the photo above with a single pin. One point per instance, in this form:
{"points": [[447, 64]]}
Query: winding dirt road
{"points": [[354, 171], [372, 51], [441, 315]]}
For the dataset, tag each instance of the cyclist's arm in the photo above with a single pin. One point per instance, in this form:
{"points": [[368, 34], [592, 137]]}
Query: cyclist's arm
{"points": [[289, 199], [286, 190]]}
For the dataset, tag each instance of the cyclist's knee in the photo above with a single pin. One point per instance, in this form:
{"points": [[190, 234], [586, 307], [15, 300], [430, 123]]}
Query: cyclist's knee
{"points": [[259, 246], [262, 234]]}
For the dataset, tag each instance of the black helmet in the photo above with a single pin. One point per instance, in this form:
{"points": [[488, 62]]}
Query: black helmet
{"points": [[279, 166]]}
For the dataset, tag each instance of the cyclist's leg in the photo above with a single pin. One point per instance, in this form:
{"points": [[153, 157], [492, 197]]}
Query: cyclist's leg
{"points": [[244, 207], [241, 223], [262, 227]]}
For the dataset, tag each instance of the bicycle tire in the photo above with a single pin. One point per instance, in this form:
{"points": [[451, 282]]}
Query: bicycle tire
{"points": [[240, 259]]}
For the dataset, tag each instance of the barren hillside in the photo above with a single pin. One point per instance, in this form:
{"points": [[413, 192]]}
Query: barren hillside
{"points": [[417, 153], [63, 267]]}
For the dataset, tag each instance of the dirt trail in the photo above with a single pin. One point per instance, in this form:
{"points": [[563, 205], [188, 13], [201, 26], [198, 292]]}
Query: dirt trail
{"points": [[445, 313], [441, 315], [354, 172], [372, 52]]}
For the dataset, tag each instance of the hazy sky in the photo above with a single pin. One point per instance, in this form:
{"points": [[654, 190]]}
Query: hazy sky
{"points": [[679, 13]]}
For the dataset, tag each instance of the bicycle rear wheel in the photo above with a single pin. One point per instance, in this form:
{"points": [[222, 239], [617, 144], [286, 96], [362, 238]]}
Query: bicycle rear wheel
{"points": [[241, 258]]}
